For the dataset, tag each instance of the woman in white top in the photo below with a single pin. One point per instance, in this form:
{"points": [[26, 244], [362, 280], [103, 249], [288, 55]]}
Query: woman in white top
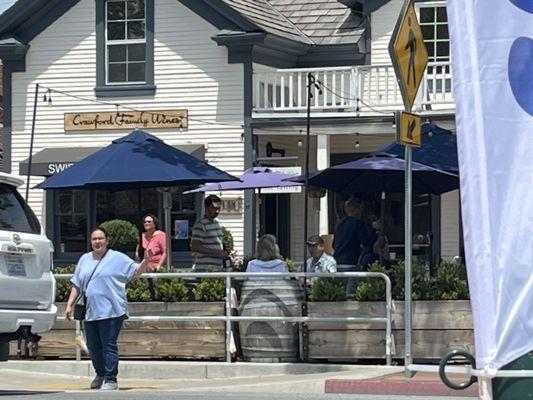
{"points": [[267, 258]]}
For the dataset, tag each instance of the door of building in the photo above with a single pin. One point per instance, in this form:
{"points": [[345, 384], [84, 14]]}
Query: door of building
{"points": [[275, 219]]}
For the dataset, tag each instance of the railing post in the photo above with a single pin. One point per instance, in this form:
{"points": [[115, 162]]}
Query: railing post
{"points": [[229, 332], [388, 328], [354, 87], [78, 334]]}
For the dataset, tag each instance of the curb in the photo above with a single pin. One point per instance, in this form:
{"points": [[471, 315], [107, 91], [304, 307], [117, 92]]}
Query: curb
{"points": [[398, 387], [179, 369]]}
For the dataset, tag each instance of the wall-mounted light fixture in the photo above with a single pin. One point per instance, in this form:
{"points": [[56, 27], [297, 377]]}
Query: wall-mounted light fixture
{"points": [[270, 150]]}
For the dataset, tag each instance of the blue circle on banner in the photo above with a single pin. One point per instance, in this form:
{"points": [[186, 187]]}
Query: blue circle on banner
{"points": [[521, 72], [526, 5]]}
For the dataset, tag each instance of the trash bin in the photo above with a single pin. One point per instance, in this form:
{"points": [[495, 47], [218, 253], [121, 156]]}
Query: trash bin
{"points": [[515, 388]]}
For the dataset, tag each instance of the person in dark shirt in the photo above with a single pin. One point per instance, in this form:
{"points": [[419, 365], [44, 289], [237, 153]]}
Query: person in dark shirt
{"points": [[348, 241]]}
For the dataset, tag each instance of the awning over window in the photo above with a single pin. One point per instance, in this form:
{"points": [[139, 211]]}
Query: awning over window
{"points": [[50, 161]]}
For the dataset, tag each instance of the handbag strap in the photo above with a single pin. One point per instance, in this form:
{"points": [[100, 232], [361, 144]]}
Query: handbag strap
{"points": [[92, 273]]}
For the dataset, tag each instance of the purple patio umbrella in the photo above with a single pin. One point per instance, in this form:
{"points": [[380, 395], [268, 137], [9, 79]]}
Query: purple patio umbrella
{"points": [[253, 178]]}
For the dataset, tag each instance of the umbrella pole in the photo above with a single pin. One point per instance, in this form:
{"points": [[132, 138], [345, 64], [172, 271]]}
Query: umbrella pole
{"points": [[167, 207], [31, 140]]}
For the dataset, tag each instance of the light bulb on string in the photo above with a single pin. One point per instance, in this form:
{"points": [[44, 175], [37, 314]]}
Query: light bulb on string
{"points": [[357, 144], [300, 143], [47, 98]]}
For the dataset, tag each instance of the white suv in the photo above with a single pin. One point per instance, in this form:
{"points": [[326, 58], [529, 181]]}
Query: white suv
{"points": [[27, 286]]}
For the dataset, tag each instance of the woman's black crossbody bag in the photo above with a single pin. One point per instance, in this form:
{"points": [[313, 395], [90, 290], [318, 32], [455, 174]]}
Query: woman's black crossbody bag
{"points": [[80, 303]]}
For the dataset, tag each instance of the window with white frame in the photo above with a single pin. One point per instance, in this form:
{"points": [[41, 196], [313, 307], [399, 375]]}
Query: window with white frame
{"points": [[125, 40], [434, 24]]}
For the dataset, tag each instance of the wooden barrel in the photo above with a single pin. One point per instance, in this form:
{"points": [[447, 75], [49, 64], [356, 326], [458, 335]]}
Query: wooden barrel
{"points": [[263, 341]]}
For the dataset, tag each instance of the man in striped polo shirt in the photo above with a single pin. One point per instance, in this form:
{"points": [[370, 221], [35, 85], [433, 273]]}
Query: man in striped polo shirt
{"points": [[206, 240]]}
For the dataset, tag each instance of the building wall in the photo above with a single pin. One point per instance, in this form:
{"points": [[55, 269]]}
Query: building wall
{"points": [[190, 72], [383, 21]]}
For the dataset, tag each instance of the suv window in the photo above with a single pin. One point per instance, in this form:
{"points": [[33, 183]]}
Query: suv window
{"points": [[15, 215]]}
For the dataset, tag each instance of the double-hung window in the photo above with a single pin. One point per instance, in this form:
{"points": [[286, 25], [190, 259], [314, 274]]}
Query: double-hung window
{"points": [[434, 25], [125, 47], [126, 41]]}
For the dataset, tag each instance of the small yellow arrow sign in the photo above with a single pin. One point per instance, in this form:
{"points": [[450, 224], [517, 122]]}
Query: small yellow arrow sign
{"points": [[408, 53], [408, 129]]}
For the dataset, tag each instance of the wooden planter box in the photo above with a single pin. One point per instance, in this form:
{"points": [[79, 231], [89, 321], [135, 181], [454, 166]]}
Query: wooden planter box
{"points": [[438, 327], [187, 340]]}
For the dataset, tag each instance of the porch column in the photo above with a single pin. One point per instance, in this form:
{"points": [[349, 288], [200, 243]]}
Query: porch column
{"points": [[322, 162]]}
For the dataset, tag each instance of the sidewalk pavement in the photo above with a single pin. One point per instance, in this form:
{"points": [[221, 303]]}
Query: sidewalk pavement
{"points": [[300, 378], [287, 378], [421, 384]]}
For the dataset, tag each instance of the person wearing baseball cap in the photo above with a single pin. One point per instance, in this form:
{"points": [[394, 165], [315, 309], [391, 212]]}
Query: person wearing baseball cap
{"points": [[319, 260]]}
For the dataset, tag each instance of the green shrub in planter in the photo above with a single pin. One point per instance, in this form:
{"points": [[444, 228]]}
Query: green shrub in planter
{"points": [[63, 286], [171, 290], [138, 290], [227, 239], [372, 289], [423, 286], [291, 265], [451, 282], [210, 289], [123, 235], [328, 289]]}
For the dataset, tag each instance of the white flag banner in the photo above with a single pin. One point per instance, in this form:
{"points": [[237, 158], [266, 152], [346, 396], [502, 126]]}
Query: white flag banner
{"points": [[492, 64]]}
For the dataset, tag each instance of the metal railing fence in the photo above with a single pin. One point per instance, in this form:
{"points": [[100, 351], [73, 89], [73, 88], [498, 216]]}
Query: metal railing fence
{"points": [[228, 318]]}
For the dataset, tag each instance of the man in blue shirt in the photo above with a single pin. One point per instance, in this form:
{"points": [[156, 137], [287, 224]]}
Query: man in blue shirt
{"points": [[348, 241]]}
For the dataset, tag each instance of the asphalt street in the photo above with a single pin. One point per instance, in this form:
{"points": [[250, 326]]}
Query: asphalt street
{"points": [[164, 395]]}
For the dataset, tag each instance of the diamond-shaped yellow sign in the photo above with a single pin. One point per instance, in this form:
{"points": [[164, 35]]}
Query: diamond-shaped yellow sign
{"points": [[408, 53], [409, 129]]}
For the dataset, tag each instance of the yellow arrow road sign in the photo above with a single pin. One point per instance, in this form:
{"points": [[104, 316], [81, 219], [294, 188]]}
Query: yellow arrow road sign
{"points": [[408, 129], [408, 53]]}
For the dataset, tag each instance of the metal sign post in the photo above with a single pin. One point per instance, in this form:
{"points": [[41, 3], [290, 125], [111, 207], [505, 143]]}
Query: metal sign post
{"points": [[409, 58]]}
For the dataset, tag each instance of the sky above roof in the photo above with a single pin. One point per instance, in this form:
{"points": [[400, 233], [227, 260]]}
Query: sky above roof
{"points": [[5, 4]]}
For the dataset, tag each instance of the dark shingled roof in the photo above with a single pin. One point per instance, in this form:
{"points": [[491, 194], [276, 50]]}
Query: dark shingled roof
{"points": [[266, 17], [324, 21], [318, 22]]}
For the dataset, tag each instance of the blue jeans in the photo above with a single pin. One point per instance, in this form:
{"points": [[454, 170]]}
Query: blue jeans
{"points": [[351, 283], [102, 338]]}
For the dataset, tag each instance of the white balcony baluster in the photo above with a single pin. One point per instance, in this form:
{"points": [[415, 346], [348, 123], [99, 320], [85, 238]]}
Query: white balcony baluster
{"points": [[280, 92]]}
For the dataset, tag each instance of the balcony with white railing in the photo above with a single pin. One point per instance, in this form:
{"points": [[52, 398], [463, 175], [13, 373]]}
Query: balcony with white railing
{"points": [[359, 90]]}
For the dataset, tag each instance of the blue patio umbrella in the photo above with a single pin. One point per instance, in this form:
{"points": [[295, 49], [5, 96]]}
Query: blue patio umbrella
{"points": [[381, 173], [438, 150], [136, 161], [253, 178]]}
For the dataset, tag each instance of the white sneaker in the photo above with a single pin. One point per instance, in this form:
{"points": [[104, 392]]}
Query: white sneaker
{"points": [[110, 385]]}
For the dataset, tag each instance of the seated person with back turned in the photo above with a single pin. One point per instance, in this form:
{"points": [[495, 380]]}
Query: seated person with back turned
{"points": [[267, 258]]}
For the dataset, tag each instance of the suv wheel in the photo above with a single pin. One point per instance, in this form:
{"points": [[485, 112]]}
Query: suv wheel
{"points": [[4, 351]]}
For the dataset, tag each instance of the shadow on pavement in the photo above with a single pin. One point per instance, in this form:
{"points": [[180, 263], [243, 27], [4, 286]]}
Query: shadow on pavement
{"points": [[24, 392]]}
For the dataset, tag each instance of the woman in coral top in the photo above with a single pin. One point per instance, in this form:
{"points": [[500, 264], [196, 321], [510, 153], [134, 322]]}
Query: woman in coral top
{"points": [[155, 240]]}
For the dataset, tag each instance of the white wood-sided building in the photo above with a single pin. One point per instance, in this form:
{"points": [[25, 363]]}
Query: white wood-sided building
{"points": [[238, 68]]}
